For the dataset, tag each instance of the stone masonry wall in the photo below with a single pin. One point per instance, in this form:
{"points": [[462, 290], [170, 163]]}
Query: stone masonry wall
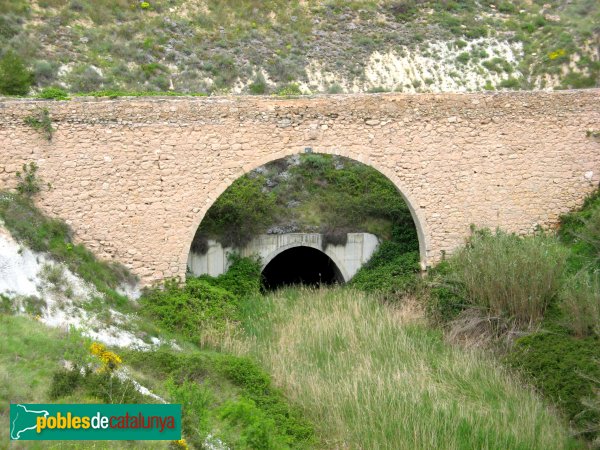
{"points": [[134, 177]]}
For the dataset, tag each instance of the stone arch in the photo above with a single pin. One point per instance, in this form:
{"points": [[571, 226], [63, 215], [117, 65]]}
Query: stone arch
{"points": [[423, 232], [338, 264]]}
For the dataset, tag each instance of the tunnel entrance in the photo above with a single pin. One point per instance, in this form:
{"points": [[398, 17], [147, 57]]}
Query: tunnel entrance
{"points": [[300, 265]]}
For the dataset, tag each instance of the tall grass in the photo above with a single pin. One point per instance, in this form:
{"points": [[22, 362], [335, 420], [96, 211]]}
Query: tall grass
{"points": [[580, 303], [374, 381], [509, 276]]}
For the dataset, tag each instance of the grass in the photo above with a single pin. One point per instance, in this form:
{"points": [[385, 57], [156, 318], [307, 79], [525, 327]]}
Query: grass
{"points": [[508, 276], [372, 379]]}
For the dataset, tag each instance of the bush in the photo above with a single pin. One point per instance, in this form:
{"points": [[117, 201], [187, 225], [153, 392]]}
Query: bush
{"points": [[290, 89], [28, 184], [563, 368], [15, 79], [243, 278], [51, 93], [191, 308], [240, 213], [258, 86], [390, 270], [508, 276]]}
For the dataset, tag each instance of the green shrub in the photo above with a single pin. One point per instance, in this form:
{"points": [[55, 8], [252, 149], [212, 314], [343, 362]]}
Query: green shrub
{"points": [[28, 183], [190, 308], [390, 270], [463, 57], [240, 213], [104, 386], [41, 122], [290, 89], [561, 367], [510, 83], [257, 387], [257, 431], [195, 399], [581, 231], [51, 93], [243, 277], [258, 86], [508, 276], [15, 78]]}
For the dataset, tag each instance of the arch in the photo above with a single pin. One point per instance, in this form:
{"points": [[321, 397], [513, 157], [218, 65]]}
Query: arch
{"points": [[283, 248], [418, 218]]}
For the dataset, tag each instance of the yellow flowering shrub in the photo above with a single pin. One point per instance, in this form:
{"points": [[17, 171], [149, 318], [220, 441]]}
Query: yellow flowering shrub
{"points": [[181, 444], [557, 54], [110, 360]]}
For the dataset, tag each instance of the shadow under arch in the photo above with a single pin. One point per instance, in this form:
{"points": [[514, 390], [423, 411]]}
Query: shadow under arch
{"points": [[339, 266], [301, 264], [418, 218]]}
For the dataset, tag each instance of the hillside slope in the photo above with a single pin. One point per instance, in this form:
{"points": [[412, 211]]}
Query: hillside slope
{"points": [[249, 46]]}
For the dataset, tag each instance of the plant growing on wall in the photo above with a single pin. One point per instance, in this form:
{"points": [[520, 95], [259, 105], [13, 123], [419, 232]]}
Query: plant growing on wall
{"points": [[41, 122], [28, 183]]}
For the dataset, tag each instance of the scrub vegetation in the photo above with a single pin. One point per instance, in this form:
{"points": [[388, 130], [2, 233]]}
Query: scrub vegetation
{"points": [[293, 47]]}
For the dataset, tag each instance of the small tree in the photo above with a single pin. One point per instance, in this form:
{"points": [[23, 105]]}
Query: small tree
{"points": [[15, 79]]}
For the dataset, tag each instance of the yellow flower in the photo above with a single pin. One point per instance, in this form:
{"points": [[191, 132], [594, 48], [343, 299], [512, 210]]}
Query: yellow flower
{"points": [[557, 54], [180, 444], [97, 349]]}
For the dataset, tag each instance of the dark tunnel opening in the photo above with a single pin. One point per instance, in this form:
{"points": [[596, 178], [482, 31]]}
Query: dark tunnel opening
{"points": [[301, 265]]}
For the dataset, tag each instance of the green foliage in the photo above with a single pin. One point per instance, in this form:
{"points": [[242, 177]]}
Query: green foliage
{"points": [[463, 57], [28, 225], [15, 78], [258, 86], [196, 399], [257, 388], [28, 183], [258, 431], [507, 276], [241, 212], [288, 90], [51, 93], [189, 309], [258, 412], [243, 277], [561, 367], [581, 231], [104, 386], [510, 83], [41, 122], [390, 270], [117, 94]]}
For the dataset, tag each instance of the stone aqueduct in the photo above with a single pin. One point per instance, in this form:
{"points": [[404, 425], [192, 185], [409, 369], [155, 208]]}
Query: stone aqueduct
{"points": [[134, 177]]}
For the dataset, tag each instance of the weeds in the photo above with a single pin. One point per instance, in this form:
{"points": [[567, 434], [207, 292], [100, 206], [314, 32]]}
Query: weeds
{"points": [[42, 123]]}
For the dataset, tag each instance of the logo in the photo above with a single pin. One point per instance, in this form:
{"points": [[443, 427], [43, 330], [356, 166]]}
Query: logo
{"points": [[95, 422]]}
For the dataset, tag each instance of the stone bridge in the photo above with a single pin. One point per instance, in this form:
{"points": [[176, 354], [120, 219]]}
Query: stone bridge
{"points": [[134, 177]]}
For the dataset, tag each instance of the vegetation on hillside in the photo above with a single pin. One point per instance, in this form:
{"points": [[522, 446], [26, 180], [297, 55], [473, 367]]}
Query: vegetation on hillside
{"points": [[214, 46]]}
